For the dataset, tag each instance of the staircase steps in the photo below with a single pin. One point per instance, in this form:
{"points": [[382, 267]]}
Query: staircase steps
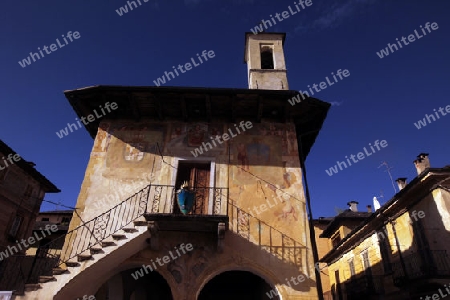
{"points": [[84, 256], [108, 242], [141, 221], [119, 236], [72, 263], [59, 271], [44, 279], [129, 229], [29, 287]]}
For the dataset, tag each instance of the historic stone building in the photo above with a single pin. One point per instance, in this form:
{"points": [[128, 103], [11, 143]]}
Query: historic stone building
{"points": [[400, 251], [22, 189], [247, 235]]}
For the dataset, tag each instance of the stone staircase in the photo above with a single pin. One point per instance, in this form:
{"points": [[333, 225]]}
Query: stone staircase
{"points": [[122, 228], [50, 285]]}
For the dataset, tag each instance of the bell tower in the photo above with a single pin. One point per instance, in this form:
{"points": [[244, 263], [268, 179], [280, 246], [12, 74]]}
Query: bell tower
{"points": [[264, 56]]}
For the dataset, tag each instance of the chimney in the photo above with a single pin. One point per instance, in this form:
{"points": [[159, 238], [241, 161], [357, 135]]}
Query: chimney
{"points": [[401, 182], [369, 208], [422, 162], [353, 205]]}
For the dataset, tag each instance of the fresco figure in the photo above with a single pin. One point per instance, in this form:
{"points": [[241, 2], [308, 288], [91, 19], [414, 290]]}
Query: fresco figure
{"points": [[243, 157]]}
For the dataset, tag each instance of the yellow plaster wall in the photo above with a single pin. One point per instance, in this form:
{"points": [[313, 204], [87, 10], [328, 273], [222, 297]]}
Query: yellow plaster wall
{"points": [[268, 210]]}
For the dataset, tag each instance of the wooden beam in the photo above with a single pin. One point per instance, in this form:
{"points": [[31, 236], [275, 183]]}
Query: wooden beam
{"points": [[159, 107], [233, 108], [260, 110], [208, 107], [287, 118], [134, 107], [184, 109]]}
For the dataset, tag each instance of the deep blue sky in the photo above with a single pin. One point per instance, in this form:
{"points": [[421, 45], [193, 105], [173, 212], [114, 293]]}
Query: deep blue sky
{"points": [[381, 99]]}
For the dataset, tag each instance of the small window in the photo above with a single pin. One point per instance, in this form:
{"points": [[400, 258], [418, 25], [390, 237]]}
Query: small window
{"points": [[65, 221], [335, 240], [45, 219], [267, 58], [351, 265], [366, 263], [15, 226]]}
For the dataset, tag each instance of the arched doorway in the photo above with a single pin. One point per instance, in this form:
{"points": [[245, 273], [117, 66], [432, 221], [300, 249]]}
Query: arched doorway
{"points": [[124, 286], [237, 285]]}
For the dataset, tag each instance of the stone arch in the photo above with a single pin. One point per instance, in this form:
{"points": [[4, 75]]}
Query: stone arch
{"points": [[135, 289], [266, 277]]}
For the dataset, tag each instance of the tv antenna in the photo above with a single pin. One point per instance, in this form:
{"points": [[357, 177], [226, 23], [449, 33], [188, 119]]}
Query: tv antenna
{"points": [[388, 170]]}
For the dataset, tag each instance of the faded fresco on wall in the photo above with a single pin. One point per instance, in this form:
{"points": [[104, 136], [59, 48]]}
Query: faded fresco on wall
{"points": [[257, 155], [185, 137], [133, 149]]}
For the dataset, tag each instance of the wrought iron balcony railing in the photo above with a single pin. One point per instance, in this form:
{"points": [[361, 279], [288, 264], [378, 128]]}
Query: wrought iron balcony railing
{"points": [[269, 238], [419, 265]]}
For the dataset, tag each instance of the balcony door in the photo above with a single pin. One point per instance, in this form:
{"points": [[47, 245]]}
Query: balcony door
{"points": [[198, 175]]}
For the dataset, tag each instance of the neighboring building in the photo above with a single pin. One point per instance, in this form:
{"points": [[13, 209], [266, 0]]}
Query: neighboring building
{"points": [[323, 247], [60, 218], [247, 234], [401, 250], [22, 189]]}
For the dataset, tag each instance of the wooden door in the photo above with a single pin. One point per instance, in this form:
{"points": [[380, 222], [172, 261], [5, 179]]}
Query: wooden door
{"points": [[200, 181], [198, 175]]}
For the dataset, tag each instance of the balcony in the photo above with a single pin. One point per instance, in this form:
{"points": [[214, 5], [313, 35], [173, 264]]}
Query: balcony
{"points": [[428, 264], [208, 214], [365, 285]]}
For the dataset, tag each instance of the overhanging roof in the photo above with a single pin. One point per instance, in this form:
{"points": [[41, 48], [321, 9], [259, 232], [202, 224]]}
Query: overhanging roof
{"points": [[196, 104], [27, 167]]}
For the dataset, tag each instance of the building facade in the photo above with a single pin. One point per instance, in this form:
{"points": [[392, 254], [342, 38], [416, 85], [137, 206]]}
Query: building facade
{"points": [[60, 220], [246, 235], [401, 250], [22, 189], [323, 247]]}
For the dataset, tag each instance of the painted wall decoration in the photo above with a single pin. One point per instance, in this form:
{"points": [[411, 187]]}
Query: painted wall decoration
{"points": [[257, 155], [185, 137], [132, 149], [197, 134]]}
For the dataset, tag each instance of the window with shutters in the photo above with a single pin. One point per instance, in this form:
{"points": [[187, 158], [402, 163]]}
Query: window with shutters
{"points": [[15, 226]]}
